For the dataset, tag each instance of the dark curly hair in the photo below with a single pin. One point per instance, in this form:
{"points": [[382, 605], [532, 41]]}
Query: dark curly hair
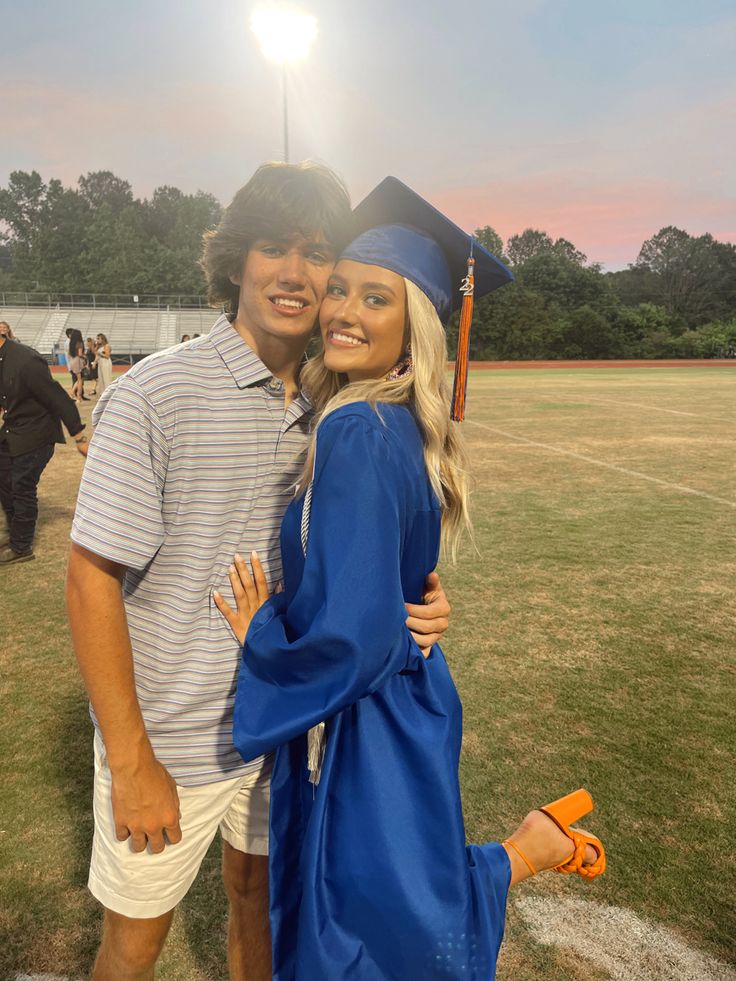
{"points": [[279, 201]]}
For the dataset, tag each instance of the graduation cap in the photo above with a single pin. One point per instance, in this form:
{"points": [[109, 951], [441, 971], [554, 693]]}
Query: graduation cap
{"points": [[398, 230]]}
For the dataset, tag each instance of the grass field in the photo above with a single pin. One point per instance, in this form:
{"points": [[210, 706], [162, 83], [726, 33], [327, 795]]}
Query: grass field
{"points": [[592, 640]]}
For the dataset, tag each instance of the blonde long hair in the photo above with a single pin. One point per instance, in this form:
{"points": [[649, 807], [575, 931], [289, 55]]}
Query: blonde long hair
{"points": [[427, 392]]}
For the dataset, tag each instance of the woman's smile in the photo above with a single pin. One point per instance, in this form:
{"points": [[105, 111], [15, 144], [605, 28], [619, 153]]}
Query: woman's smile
{"points": [[340, 339]]}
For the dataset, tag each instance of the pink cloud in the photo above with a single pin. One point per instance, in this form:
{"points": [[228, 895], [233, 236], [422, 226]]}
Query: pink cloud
{"points": [[607, 220]]}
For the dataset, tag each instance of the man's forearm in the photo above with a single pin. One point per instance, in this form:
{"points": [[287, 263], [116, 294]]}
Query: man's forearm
{"points": [[102, 645]]}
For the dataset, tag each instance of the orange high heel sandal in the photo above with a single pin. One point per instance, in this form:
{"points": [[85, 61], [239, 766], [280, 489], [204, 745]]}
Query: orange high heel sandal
{"points": [[563, 812]]}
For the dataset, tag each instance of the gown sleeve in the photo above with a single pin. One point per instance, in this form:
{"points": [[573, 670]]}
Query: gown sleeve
{"points": [[343, 633]]}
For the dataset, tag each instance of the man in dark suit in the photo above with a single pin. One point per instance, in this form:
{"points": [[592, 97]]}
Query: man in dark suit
{"points": [[32, 408]]}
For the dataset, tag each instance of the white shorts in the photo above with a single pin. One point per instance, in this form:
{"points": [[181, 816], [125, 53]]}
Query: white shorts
{"points": [[141, 884]]}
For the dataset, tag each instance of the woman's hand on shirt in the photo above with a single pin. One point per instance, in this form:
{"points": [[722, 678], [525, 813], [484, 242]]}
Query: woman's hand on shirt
{"points": [[250, 592], [429, 620]]}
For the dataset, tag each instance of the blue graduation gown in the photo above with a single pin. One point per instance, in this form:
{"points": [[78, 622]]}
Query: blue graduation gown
{"points": [[370, 875]]}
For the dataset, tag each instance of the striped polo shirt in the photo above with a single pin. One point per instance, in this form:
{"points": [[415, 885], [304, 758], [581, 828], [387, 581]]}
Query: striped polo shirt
{"points": [[193, 459]]}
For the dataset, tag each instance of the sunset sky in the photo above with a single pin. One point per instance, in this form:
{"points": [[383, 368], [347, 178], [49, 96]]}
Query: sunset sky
{"points": [[597, 122]]}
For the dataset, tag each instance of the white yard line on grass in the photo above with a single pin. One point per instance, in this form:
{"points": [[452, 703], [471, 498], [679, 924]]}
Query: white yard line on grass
{"points": [[585, 399], [618, 941], [637, 474], [42, 977], [643, 405]]}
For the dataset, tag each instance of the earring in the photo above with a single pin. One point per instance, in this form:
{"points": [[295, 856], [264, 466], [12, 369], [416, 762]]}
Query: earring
{"points": [[403, 367]]}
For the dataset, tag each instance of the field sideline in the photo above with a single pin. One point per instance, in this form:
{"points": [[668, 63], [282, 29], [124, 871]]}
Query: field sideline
{"points": [[592, 640]]}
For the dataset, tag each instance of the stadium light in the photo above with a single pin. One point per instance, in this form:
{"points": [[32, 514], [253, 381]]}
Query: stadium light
{"points": [[285, 34]]}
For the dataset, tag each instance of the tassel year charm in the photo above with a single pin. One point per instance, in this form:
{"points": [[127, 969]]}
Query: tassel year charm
{"points": [[460, 388]]}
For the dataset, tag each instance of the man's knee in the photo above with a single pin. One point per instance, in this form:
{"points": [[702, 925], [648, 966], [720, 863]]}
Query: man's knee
{"points": [[245, 876], [134, 943]]}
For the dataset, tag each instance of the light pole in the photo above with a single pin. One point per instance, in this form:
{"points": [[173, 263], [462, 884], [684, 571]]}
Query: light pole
{"points": [[285, 35]]}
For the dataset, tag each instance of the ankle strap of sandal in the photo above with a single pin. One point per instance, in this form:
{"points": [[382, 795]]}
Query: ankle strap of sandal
{"points": [[521, 855]]}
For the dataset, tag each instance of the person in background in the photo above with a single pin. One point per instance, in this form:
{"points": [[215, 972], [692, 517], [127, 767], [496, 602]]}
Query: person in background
{"points": [[184, 337], [6, 331], [77, 362], [103, 363], [71, 344], [33, 408], [90, 356]]}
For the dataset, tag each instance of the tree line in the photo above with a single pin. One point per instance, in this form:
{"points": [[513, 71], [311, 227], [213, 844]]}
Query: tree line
{"points": [[98, 238], [677, 300]]}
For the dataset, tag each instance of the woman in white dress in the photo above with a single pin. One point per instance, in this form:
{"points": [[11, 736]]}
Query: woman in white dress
{"points": [[103, 363]]}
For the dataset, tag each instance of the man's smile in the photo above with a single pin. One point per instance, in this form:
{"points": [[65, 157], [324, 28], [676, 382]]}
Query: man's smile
{"points": [[289, 305]]}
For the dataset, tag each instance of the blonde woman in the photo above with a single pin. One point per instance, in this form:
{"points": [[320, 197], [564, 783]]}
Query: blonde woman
{"points": [[103, 363], [370, 875]]}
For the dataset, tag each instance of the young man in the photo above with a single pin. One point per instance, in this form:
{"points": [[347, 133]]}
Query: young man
{"points": [[194, 459]]}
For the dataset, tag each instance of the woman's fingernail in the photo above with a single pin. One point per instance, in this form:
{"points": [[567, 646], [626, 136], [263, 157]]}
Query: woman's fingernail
{"points": [[238, 557], [254, 554]]}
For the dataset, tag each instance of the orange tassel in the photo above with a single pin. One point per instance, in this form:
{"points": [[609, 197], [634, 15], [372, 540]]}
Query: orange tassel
{"points": [[459, 391]]}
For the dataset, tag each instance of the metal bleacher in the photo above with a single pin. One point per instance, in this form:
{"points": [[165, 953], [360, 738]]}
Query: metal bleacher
{"points": [[54, 328], [133, 330], [26, 323]]}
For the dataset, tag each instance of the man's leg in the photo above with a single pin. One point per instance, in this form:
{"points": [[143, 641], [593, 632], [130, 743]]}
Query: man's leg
{"points": [[244, 831], [130, 948], [26, 472], [6, 490], [140, 890], [248, 933]]}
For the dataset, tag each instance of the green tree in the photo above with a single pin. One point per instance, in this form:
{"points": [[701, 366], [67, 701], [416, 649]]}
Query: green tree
{"points": [[566, 250], [175, 223], [491, 240], [565, 282], [533, 243], [713, 340], [21, 209], [587, 333], [21, 203], [635, 285], [530, 243], [56, 254], [688, 273], [115, 251], [726, 291], [99, 238], [102, 187], [641, 329], [511, 324]]}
